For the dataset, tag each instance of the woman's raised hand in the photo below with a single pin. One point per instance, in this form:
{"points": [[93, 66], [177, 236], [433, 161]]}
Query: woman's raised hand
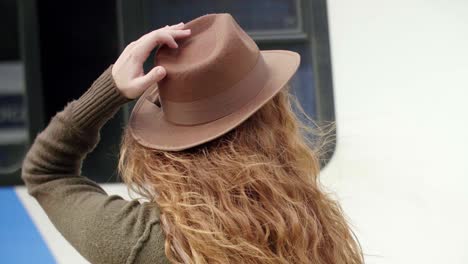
{"points": [[128, 72]]}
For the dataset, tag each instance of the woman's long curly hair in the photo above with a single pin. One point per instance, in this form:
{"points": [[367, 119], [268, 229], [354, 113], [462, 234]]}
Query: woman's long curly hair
{"points": [[250, 196]]}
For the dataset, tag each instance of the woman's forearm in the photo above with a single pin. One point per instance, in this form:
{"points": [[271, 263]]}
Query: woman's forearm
{"points": [[72, 133], [78, 207]]}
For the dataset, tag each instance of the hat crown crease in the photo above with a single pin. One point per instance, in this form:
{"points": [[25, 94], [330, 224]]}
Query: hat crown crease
{"points": [[209, 64]]}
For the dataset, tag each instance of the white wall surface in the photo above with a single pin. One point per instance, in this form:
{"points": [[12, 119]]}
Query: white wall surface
{"points": [[400, 71]]}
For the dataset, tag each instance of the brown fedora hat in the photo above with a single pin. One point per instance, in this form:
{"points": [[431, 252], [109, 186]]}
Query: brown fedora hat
{"points": [[215, 80]]}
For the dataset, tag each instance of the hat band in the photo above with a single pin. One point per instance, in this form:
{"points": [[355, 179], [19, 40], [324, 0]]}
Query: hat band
{"points": [[211, 108]]}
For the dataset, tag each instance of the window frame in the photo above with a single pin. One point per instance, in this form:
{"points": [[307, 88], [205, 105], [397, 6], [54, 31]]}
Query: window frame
{"points": [[313, 28]]}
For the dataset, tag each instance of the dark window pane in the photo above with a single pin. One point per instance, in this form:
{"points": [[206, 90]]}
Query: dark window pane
{"points": [[254, 16], [302, 83], [9, 46]]}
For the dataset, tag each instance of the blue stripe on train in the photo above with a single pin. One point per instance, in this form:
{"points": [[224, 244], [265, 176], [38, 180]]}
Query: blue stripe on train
{"points": [[20, 241]]}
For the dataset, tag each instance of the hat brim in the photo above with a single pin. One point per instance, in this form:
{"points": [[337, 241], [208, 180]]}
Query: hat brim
{"points": [[149, 128]]}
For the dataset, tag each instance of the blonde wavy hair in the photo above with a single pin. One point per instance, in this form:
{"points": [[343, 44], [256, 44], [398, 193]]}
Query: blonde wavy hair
{"points": [[250, 196]]}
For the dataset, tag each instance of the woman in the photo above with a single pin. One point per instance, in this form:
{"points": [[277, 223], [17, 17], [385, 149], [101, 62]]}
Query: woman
{"points": [[215, 149]]}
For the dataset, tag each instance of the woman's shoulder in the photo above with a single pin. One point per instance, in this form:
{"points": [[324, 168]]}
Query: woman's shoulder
{"points": [[150, 246], [125, 231]]}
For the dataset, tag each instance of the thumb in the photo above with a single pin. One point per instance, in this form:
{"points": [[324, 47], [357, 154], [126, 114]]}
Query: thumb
{"points": [[155, 75]]}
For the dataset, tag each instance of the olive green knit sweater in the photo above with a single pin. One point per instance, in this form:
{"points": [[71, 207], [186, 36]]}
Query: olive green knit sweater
{"points": [[103, 228]]}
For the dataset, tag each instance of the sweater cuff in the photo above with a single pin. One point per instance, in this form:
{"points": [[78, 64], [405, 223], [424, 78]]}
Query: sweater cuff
{"points": [[99, 103]]}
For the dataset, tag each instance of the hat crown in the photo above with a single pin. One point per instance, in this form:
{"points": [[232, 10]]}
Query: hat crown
{"points": [[216, 56], [215, 80]]}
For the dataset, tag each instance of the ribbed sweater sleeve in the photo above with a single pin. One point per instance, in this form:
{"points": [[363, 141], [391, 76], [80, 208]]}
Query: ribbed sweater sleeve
{"points": [[103, 228], [98, 104]]}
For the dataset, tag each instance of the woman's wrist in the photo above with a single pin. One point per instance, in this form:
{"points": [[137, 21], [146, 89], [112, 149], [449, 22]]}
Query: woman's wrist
{"points": [[99, 103]]}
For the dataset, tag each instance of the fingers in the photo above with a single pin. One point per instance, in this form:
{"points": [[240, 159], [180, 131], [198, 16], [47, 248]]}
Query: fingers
{"points": [[178, 33], [166, 36], [137, 52], [152, 77], [145, 38], [181, 25]]}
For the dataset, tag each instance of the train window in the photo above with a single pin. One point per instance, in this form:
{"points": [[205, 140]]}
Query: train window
{"points": [[284, 16], [281, 28], [297, 25], [13, 124]]}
